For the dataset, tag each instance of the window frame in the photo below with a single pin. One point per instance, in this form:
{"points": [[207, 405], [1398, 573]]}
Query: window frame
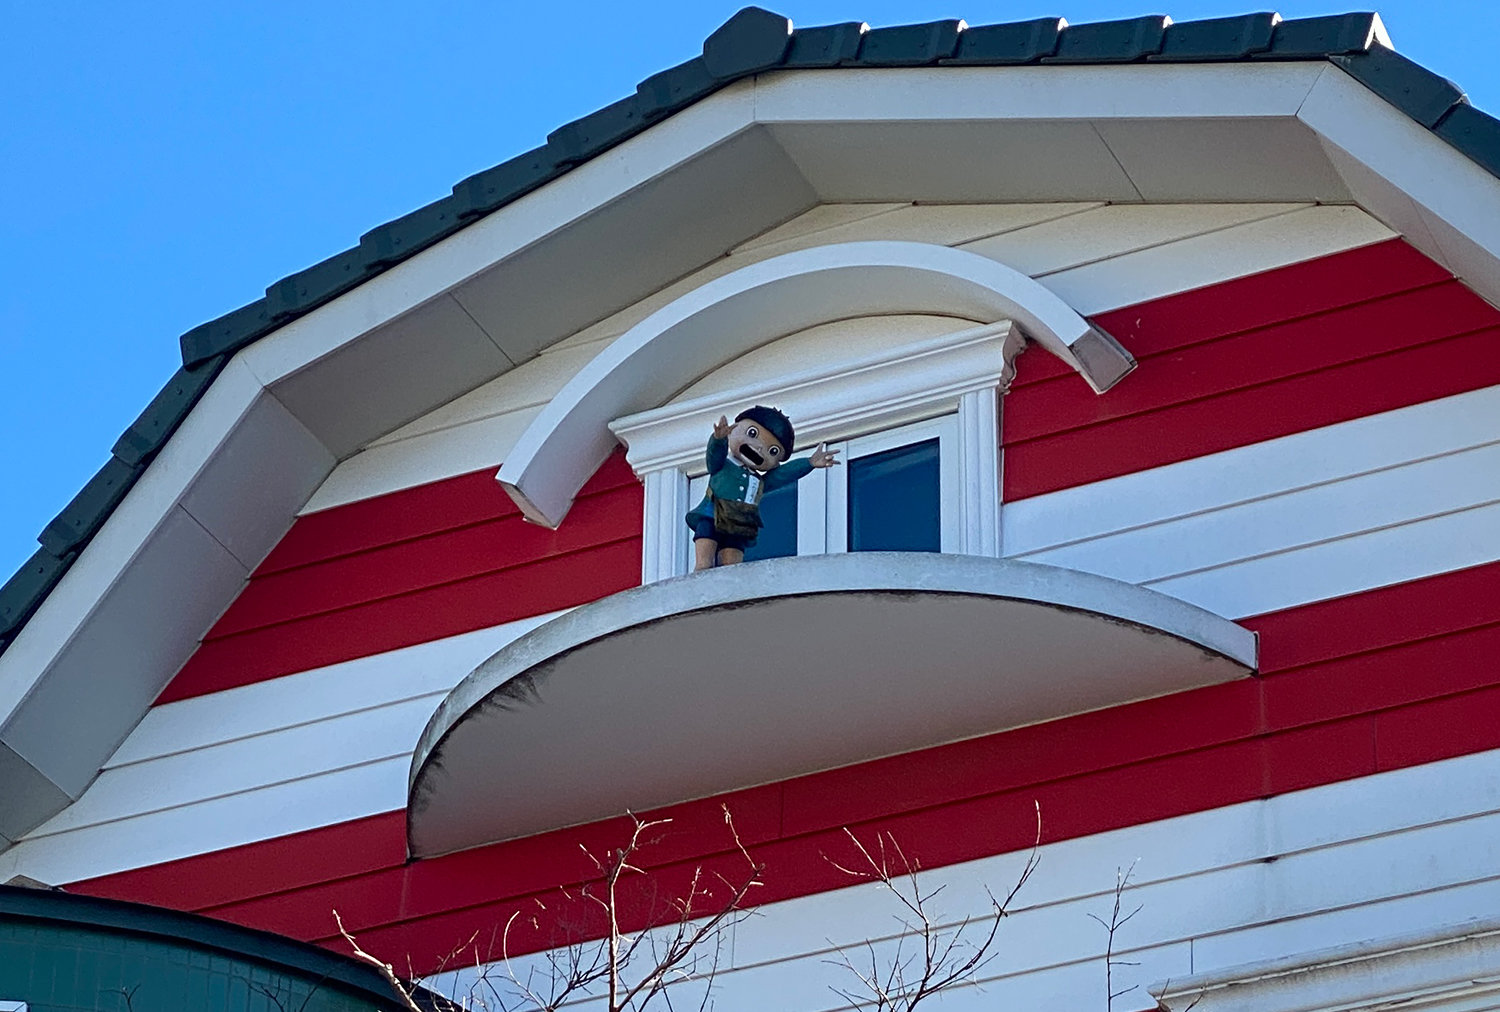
{"points": [[865, 404]]}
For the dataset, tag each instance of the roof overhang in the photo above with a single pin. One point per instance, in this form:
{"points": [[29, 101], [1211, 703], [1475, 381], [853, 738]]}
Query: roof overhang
{"points": [[156, 565], [758, 672]]}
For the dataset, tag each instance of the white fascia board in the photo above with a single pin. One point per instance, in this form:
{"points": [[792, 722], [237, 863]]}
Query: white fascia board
{"points": [[120, 540], [509, 230], [1446, 968], [1156, 91], [1448, 190]]}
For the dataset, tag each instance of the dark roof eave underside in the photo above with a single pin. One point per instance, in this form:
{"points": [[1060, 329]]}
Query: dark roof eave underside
{"points": [[753, 41]]}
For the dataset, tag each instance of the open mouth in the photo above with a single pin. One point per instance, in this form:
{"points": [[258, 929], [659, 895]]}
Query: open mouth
{"points": [[748, 452]]}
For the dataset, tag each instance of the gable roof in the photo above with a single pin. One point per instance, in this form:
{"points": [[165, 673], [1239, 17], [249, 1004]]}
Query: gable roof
{"points": [[753, 41]]}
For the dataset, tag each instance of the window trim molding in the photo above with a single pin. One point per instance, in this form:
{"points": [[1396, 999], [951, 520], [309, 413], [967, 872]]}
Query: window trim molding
{"points": [[963, 373]]}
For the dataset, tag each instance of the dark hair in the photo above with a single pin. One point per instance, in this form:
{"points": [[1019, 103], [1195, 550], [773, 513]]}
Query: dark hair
{"points": [[772, 421]]}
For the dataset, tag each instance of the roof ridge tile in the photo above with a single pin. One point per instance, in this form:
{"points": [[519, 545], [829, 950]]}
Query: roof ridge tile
{"points": [[1009, 44], [1124, 41]]}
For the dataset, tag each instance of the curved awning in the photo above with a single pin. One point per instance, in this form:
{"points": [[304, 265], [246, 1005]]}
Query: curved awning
{"points": [[768, 670]]}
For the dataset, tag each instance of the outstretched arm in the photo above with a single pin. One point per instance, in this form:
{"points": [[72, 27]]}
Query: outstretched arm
{"points": [[718, 445], [796, 470]]}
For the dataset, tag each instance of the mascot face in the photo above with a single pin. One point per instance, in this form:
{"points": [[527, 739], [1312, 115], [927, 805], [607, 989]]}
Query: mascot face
{"points": [[750, 445]]}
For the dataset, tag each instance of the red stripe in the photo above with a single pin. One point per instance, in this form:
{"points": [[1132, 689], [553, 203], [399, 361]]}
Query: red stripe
{"points": [[1257, 357], [446, 610], [403, 592], [1238, 363], [409, 566], [1183, 431], [1259, 300], [1382, 680]]}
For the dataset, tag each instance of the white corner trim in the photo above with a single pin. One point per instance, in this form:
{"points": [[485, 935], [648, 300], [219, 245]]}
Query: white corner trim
{"points": [[1447, 969], [729, 316], [666, 505], [979, 470]]}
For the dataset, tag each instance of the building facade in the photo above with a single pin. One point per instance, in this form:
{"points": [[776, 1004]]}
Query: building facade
{"points": [[1163, 364]]}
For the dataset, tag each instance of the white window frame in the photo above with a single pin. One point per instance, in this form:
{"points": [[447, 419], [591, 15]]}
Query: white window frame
{"points": [[950, 386], [823, 496]]}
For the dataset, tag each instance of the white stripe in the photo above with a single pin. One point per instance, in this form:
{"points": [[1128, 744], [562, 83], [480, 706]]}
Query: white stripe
{"points": [[1323, 513], [1214, 258]]}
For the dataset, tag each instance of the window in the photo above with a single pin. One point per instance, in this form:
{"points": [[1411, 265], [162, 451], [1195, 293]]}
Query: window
{"points": [[896, 490], [918, 427]]}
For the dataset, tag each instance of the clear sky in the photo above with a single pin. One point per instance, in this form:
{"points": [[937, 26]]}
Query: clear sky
{"points": [[159, 169]]}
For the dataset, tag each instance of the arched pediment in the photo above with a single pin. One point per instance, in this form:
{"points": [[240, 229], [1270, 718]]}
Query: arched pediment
{"points": [[741, 311]]}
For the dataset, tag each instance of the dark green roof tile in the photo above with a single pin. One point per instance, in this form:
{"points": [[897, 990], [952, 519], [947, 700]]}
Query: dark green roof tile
{"points": [[411, 233], [584, 138], [1475, 134], [1410, 87], [1110, 41], [1001, 45], [306, 290], [230, 332], [30, 585], [675, 88], [910, 45], [826, 45], [752, 40], [166, 411], [1317, 38], [90, 508], [1218, 38], [493, 188]]}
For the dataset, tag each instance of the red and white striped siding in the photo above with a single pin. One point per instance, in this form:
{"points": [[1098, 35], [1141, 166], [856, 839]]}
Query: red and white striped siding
{"points": [[1307, 450]]}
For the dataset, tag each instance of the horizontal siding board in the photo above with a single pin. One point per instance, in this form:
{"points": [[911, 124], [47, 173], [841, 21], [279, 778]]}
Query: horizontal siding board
{"points": [[1259, 300], [1251, 358], [318, 695], [410, 513], [1322, 456], [279, 865], [1185, 430], [1344, 566], [1390, 497], [1394, 616], [410, 566], [446, 610], [1113, 230], [1204, 260]]}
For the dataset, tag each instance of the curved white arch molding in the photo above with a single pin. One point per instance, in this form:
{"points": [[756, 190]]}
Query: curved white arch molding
{"points": [[732, 315]]}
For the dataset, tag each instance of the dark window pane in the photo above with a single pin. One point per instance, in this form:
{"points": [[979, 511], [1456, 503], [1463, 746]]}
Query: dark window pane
{"points": [[894, 499], [778, 537]]}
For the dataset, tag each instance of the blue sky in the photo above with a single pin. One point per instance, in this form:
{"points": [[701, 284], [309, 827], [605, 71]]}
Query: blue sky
{"points": [[159, 170]]}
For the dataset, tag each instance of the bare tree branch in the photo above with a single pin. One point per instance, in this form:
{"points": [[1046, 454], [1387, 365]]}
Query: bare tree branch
{"points": [[943, 956], [1112, 927]]}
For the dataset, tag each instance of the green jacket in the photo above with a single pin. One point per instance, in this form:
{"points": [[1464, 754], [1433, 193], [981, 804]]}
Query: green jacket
{"points": [[729, 480]]}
